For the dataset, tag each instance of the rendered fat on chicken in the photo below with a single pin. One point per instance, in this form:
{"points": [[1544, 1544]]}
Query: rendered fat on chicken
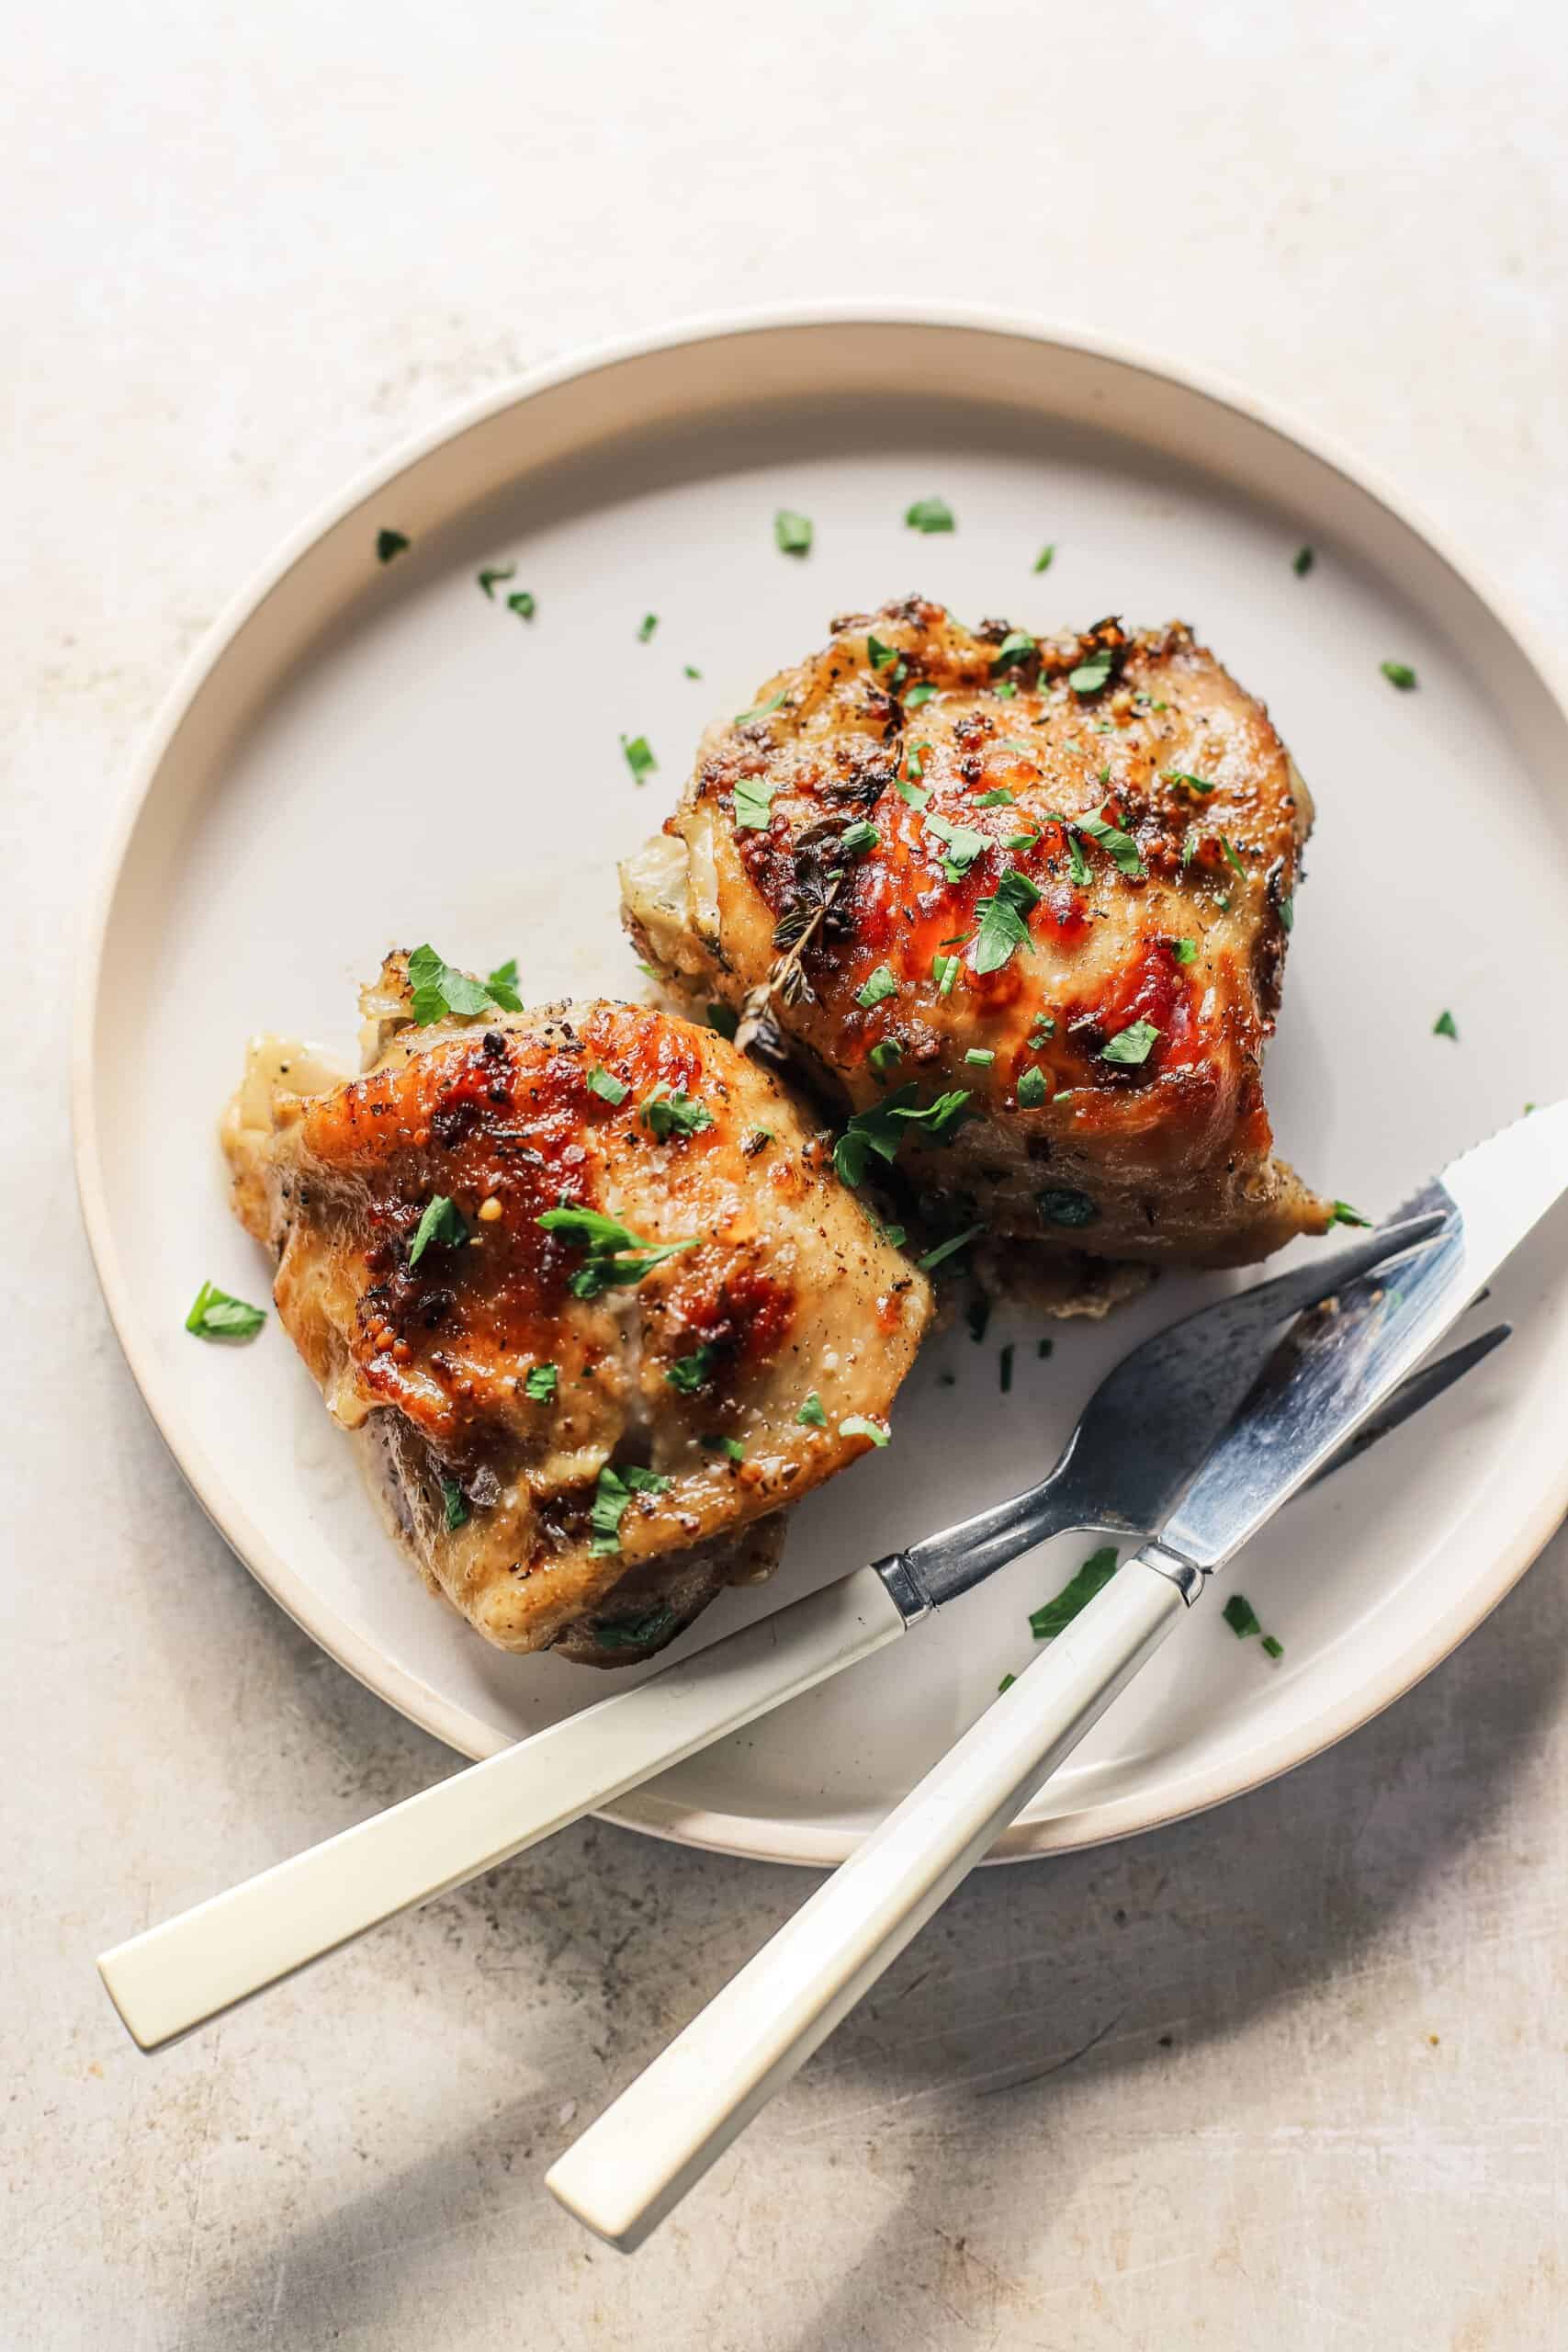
{"points": [[1020, 907], [590, 1289]]}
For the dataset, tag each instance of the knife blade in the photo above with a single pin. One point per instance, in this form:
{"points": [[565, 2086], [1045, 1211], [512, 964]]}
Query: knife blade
{"points": [[1341, 1362]]}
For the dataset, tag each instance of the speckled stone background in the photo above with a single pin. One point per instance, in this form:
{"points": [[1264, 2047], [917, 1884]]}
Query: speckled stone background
{"points": [[1292, 2075]]}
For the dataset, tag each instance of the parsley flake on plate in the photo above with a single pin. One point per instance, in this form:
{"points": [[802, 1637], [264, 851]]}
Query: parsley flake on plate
{"points": [[649, 623], [878, 987], [522, 604], [668, 1112], [639, 756], [1344, 1214], [930, 515], [1302, 561], [541, 1383], [1045, 557], [218, 1314], [442, 1225], [389, 544], [1398, 673], [634, 1632], [792, 533], [1241, 1617], [1445, 1025], [1005, 1367], [1054, 1616], [616, 1257], [492, 572], [690, 672]]}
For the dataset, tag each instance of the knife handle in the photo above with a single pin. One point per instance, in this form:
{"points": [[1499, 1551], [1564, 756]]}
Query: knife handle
{"points": [[631, 2167], [178, 1975]]}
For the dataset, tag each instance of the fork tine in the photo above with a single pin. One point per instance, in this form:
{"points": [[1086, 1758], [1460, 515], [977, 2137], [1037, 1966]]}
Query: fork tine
{"points": [[1412, 1395]]}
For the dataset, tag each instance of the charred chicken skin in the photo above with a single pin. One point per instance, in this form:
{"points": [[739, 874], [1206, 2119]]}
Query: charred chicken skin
{"points": [[590, 1287], [1021, 906]]}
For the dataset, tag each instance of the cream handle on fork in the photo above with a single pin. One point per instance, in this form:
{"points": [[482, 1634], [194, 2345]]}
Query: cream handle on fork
{"points": [[634, 2165]]}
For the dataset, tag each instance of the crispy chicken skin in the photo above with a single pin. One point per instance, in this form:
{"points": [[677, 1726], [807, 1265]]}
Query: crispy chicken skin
{"points": [[600, 1512], [1161, 905]]}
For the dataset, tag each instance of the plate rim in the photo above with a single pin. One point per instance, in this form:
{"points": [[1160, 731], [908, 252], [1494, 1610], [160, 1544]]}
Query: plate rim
{"points": [[758, 1838]]}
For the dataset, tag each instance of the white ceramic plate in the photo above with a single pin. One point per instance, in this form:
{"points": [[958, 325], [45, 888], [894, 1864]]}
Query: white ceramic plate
{"points": [[367, 755]]}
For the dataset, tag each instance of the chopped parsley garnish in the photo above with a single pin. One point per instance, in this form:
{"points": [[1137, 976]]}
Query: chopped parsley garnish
{"points": [[1044, 1028], [1288, 913], [1007, 686], [1019, 841], [857, 1425], [1445, 1026], [944, 972], [1005, 1367], [753, 804], [1231, 858], [634, 1632], [218, 1314], [1344, 1214], [792, 533], [503, 986], [929, 514], [1007, 1680], [648, 624], [962, 844], [1240, 1616], [977, 1315], [613, 1494], [1002, 919], [639, 756], [440, 1223], [1078, 864], [919, 695], [1398, 673], [1033, 1088], [714, 1443], [1184, 950], [881, 655], [668, 1112], [811, 1415], [389, 544], [1000, 798], [724, 1018], [885, 1056], [915, 795], [1056, 1616], [878, 987], [1059, 1204], [762, 709], [493, 573], [1042, 1348], [1091, 674], [1189, 783], [1120, 847], [541, 1383], [945, 1249], [880, 1131], [1016, 647], [609, 1089], [690, 672], [856, 839], [616, 1256], [1274, 1649], [436, 989], [456, 1502], [1131, 1046], [1045, 557], [522, 604], [1302, 561], [980, 1056]]}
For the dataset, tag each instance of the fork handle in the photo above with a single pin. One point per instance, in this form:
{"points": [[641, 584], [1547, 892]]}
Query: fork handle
{"points": [[178, 1975], [632, 2167]]}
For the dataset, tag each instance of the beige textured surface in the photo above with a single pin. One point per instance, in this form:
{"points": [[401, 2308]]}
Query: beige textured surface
{"points": [[246, 253]]}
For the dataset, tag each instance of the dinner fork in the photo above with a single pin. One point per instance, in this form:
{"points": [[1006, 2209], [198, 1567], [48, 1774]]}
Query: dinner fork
{"points": [[1175, 1392]]}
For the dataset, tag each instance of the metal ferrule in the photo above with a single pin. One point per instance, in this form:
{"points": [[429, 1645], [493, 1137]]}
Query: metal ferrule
{"points": [[1186, 1574], [905, 1588]]}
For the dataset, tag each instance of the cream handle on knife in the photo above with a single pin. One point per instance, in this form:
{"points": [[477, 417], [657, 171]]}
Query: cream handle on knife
{"points": [[634, 2165], [178, 1975]]}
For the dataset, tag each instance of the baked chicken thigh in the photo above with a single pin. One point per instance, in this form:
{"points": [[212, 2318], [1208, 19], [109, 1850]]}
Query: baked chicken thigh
{"points": [[1019, 907], [587, 1284]]}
